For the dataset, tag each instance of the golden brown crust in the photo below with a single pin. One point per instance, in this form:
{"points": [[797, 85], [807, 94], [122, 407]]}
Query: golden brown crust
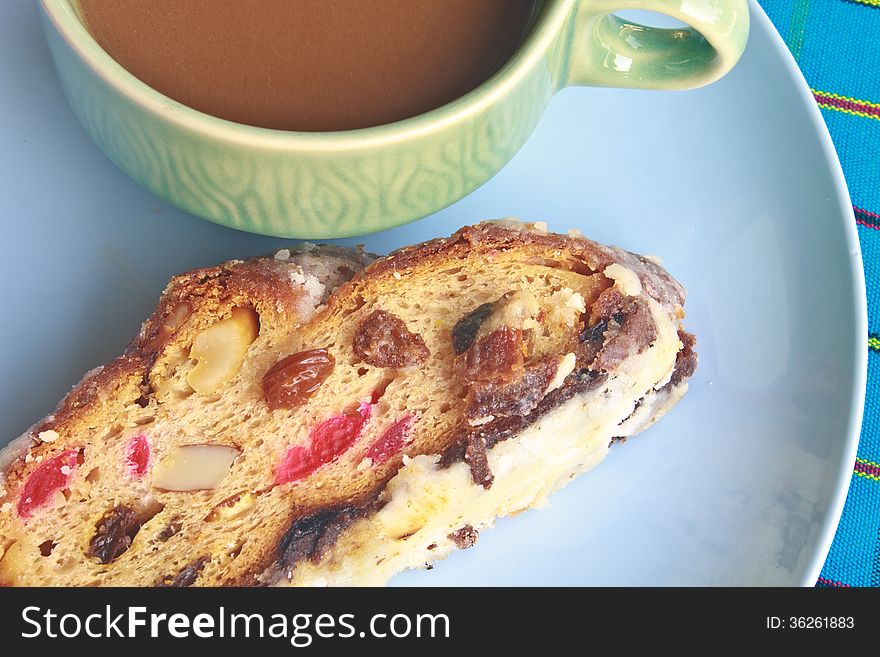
{"points": [[574, 253], [206, 290]]}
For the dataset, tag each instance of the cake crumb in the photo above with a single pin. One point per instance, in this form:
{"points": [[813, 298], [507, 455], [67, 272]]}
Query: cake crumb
{"points": [[464, 537], [566, 367], [58, 499], [577, 302], [48, 436], [283, 254], [314, 288], [626, 280]]}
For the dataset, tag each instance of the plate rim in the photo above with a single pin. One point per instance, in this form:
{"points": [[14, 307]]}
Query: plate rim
{"points": [[858, 384]]}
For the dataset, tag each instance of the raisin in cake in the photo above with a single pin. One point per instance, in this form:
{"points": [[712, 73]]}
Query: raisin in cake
{"points": [[313, 418]]}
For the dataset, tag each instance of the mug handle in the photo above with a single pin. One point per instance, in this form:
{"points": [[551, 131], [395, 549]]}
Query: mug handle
{"points": [[608, 51]]}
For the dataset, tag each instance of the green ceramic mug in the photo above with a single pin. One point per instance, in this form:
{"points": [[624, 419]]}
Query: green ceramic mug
{"points": [[339, 184]]}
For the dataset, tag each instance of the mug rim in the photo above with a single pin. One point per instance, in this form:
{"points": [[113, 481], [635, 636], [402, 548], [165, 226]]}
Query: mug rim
{"points": [[66, 21]]}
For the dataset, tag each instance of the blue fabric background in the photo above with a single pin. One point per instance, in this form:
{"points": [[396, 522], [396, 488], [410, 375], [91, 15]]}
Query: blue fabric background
{"points": [[837, 46]]}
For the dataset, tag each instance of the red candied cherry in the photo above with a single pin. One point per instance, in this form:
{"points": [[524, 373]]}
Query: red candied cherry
{"points": [[296, 464], [49, 478], [137, 455], [334, 436], [392, 440], [327, 441]]}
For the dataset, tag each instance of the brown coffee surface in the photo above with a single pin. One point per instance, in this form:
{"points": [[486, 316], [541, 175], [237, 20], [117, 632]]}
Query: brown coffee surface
{"points": [[311, 65]]}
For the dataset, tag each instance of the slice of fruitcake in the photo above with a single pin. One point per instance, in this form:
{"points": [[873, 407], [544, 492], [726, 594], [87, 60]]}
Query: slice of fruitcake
{"points": [[275, 422]]}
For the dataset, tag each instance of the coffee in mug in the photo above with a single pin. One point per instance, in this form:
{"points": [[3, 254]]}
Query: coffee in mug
{"points": [[310, 65]]}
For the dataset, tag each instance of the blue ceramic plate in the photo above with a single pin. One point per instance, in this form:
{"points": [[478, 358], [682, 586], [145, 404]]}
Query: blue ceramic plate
{"points": [[736, 186]]}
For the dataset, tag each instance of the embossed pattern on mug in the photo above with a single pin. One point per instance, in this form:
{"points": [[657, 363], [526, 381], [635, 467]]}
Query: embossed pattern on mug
{"points": [[260, 189]]}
